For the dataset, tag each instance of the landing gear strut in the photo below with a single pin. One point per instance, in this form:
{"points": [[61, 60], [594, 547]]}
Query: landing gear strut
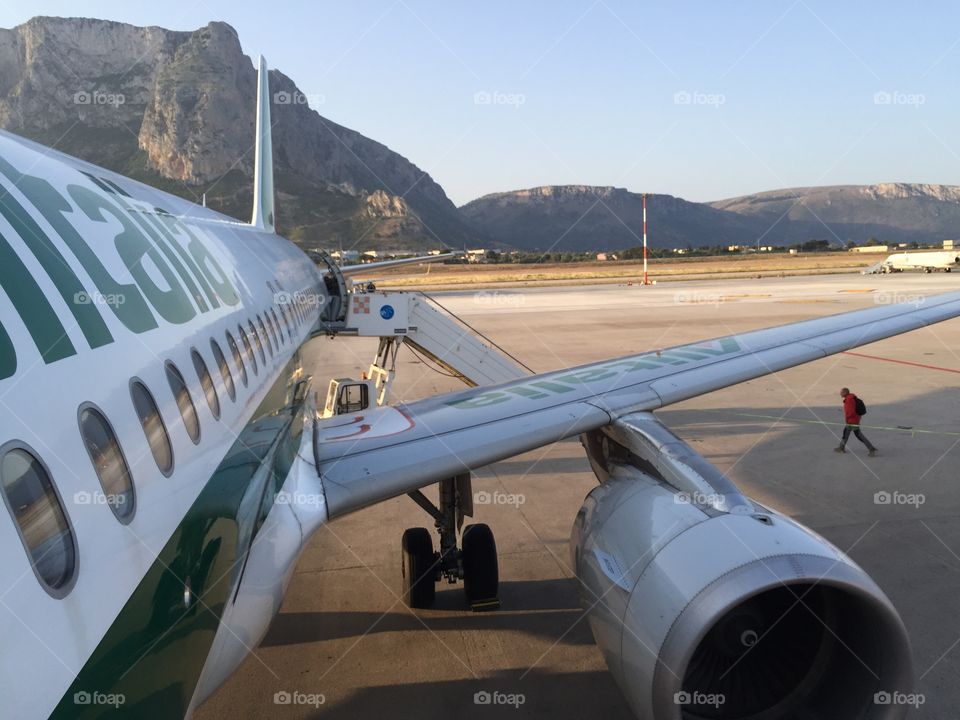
{"points": [[475, 562]]}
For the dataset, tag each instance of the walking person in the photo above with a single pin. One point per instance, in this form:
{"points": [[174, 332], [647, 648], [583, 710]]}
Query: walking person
{"points": [[853, 410]]}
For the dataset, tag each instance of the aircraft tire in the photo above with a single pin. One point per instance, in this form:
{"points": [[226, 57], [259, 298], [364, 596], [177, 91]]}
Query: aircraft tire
{"points": [[418, 568], [481, 574]]}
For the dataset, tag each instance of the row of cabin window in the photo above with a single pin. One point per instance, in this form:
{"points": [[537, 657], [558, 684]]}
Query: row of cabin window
{"points": [[28, 490]]}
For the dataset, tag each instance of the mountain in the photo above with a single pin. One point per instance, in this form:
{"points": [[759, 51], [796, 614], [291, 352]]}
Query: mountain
{"points": [[584, 217], [580, 217], [176, 110], [893, 212]]}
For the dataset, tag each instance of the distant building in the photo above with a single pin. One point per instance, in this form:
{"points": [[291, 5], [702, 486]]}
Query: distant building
{"points": [[603, 257], [345, 255], [477, 256], [681, 251], [869, 249], [949, 245]]}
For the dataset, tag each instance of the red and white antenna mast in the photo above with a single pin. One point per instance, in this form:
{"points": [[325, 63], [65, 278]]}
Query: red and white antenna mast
{"points": [[645, 280]]}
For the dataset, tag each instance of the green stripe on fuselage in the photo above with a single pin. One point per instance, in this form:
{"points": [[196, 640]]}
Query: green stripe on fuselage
{"points": [[155, 650]]}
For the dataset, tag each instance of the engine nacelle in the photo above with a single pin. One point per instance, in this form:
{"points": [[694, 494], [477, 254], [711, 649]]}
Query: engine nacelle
{"points": [[742, 614]]}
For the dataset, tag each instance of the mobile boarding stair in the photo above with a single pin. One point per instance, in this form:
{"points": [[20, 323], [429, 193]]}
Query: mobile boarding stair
{"points": [[430, 330], [420, 322]]}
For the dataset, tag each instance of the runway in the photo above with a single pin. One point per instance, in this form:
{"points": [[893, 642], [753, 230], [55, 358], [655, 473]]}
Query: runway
{"points": [[343, 633]]}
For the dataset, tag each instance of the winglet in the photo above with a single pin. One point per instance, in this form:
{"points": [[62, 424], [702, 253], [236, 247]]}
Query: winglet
{"points": [[263, 215]]}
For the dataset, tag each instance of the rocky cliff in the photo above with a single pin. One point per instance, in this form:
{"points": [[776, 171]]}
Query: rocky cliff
{"points": [[176, 109]]}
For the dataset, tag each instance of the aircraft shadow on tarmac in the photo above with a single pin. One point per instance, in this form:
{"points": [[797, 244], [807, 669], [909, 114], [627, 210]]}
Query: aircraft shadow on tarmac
{"points": [[547, 608], [544, 695]]}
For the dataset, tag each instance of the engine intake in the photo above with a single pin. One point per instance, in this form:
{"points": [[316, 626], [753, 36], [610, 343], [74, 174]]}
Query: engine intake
{"points": [[747, 615]]}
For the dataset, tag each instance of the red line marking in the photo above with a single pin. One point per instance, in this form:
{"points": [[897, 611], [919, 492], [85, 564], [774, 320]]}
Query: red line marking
{"points": [[903, 362]]}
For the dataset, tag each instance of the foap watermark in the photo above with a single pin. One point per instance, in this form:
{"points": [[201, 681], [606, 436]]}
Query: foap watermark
{"points": [[284, 97], [295, 697], [686, 97], [99, 497], [899, 698], [99, 98], [284, 297], [699, 699], [895, 497], [84, 697], [285, 497], [499, 298], [895, 97], [498, 497], [697, 498], [895, 298], [98, 298], [691, 297], [485, 97], [495, 697]]}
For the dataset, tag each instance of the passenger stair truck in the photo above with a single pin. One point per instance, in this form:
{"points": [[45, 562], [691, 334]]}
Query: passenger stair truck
{"points": [[432, 332]]}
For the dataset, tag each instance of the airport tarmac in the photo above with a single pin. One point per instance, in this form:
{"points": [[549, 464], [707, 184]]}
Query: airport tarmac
{"points": [[344, 634]]}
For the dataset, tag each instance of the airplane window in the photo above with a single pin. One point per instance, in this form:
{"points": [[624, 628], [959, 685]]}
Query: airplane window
{"points": [[266, 335], [237, 358], [206, 382], [271, 330], [224, 369], [251, 357], [256, 339], [153, 427], [35, 506], [187, 411], [275, 324], [109, 463]]}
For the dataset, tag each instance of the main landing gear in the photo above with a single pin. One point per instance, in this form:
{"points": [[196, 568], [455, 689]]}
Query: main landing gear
{"points": [[475, 562]]}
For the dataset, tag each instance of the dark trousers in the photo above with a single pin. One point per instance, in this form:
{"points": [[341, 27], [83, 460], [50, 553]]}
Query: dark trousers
{"points": [[855, 429]]}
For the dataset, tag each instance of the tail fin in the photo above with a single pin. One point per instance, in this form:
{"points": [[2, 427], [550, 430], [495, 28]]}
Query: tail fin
{"points": [[263, 215]]}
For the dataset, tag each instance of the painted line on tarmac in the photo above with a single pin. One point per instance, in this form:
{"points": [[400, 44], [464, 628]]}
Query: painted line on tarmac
{"points": [[906, 430], [903, 362]]}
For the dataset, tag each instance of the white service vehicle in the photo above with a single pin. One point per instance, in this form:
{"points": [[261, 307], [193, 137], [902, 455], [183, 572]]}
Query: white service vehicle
{"points": [[928, 262]]}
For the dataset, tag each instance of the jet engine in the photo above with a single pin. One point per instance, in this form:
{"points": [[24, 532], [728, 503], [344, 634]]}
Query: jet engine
{"points": [[707, 605]]}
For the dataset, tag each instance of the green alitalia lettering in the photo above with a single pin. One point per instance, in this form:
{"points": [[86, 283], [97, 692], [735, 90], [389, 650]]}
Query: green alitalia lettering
{"points": [[98, 182], [8, 355], [484, 399], [116, 187], [688, 354], [587, 376], [635, 364], [527, 392], [727, 345], [28, 299], [204, 258], [174, 261], [129, 306], [552, 386], [88, 318], [187, 258], [172, 304]]}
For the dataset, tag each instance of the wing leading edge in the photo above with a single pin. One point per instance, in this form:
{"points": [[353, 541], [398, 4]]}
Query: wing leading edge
{"points": [[393, 450]]}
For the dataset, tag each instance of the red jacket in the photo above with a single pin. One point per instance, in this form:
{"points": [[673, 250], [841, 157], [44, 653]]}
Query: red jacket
{"points": [[850, 410]]}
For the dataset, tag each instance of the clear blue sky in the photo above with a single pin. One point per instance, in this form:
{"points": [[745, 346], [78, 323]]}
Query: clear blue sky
{"points": [[704, 100]]}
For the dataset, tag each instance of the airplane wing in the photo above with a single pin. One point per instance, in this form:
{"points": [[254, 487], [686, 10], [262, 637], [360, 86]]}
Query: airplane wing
{"points": [[365, 268], [392, 450]]}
